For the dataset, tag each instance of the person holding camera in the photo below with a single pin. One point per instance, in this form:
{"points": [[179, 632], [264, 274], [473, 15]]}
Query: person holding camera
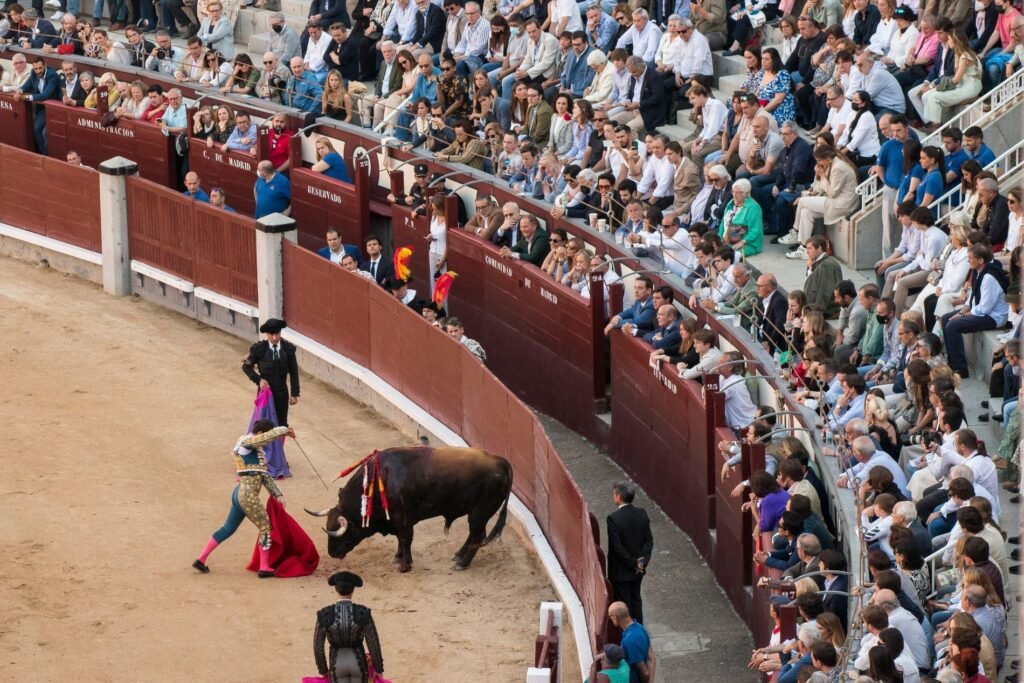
{"points": [[164, 57]]}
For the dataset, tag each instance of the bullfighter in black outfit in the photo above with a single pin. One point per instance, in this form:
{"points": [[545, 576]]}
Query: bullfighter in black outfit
{"points": [[272, 362]]}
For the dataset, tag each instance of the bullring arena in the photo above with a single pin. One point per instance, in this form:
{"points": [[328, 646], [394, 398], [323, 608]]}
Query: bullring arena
{"points": [[119, 420]]}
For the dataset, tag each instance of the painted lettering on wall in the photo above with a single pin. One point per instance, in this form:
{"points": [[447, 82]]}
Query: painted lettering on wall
{"points": [[498, 266], [324, 194], [220, 158], [6, 105], [663, 378], [113, 130]]}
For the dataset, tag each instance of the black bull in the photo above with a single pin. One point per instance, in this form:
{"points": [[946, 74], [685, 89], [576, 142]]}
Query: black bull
{"points": [[422, 483]]}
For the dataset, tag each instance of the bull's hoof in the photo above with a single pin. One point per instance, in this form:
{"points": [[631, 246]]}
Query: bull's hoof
{"points": [[404, 568], [456, 557], [460, 567]]}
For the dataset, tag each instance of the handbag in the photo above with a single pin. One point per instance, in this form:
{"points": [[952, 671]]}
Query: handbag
{"points": [[109, 119], [945, 83]]}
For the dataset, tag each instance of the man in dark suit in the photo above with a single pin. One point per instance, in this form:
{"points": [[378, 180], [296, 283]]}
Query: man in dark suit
{"points": [[776, 200], [38, 32], [992, 213], [42, 85], [770, 314], [505, 232], [639, 318], [430, 27], [343, 52], [630, 545], [328, 12], [70, 86], [534, 245], [649, 103], [376, 264], [272, 363], [666, 335], [836, 584]]}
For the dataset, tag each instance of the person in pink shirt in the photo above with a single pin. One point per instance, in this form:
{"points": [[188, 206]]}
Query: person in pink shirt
{"points": [[999, 49], [920, 57]]}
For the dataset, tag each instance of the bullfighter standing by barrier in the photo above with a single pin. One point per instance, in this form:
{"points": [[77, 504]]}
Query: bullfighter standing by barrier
{"points": [[245, 499], [272, 363]]}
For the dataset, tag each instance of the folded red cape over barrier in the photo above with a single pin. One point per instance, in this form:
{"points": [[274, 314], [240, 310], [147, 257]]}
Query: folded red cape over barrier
{"points": [[292, 552]]}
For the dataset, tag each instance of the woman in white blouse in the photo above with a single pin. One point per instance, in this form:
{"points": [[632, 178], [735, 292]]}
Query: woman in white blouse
{"points": [[1015, 200], [437, 256], [136, 104], [949, 273], [859, 140], [902, 40], [881, 39]]}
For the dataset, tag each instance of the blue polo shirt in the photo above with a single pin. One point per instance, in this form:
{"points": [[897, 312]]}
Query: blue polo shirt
{"points": [[985, 156], [932, 184], [904, 185], [890, 158], [953, 163], [635, 642], [336, 167], [272, 196], [199, 196]]}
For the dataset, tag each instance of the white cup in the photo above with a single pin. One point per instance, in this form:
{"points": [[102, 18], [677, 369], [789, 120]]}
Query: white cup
{"points": [[602, 225], [593, 219]]}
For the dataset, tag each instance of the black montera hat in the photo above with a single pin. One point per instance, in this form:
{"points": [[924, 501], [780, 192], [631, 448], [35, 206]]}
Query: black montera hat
{"points": [[273, 326], [345, 577]]}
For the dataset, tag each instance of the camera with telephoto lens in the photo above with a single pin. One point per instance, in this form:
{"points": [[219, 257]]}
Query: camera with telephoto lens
{"points": [[926, 438], [161, 54]]}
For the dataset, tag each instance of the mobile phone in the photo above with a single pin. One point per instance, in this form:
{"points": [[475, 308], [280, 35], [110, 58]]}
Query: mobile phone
{"points": [[160, 120], [636, 145]]}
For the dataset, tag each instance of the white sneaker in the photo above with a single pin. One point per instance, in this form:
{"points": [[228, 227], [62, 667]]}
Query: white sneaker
{"points": [[53, 4], [791, 237], [798, 253], [57, 16]]}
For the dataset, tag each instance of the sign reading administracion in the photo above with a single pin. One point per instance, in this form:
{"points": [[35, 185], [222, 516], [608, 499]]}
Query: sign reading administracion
{"points": [[111, 130]]}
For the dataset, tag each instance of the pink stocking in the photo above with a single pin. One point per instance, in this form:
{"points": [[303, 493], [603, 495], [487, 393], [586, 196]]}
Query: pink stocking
{"points": [[210, 545], [265, 560]]}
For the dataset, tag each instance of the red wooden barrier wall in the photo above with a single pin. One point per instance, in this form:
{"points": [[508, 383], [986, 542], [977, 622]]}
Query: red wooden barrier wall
{"points": [[539, 333], [233, 172], [207, 246], [364, 323], [15, 122], [71, 209]]}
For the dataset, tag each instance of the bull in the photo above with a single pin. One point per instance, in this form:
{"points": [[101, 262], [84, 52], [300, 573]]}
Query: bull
{"points": [[422, 483]]}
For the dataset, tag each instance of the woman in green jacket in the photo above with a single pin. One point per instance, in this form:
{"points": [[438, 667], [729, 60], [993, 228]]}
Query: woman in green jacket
{"points": [[742, 226]]}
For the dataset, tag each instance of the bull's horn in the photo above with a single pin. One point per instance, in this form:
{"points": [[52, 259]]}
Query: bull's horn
{"points": [[340, 531], [322, 513]]}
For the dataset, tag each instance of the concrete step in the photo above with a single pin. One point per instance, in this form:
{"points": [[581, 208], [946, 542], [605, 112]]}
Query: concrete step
{"points": [[730, 83], [676, 132], [255, 21], [259, 43]]}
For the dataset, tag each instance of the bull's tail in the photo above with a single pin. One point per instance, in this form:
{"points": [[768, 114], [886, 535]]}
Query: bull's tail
{"points": [[499, 524]]}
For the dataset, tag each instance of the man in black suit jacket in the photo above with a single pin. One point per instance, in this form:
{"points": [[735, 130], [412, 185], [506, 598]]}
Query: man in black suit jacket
{"points": [[835, 584], [649, 103], [534, 245], [42, 85], [376, 264], [343, 52], [327, 12], [770, 314], [38, 32], [71, 88], [430, 27], [630, 545], [272, 362], [507, 233]]}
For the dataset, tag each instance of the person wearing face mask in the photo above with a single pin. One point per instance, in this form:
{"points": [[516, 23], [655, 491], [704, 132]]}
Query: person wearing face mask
{"points": [[284, 41]]}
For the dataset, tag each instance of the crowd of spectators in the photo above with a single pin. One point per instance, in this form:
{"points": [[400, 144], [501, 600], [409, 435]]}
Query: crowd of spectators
{"points": [[568, 104]]}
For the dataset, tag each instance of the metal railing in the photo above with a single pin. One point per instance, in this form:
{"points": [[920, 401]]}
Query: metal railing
{"points": [[1006, 164], [998, 100]]}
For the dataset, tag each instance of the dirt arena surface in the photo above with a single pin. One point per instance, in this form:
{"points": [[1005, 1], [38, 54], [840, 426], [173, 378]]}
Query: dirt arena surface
{"points": [[119, 418]]}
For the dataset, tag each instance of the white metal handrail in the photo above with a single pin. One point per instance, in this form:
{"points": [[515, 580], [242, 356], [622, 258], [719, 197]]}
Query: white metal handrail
{"points": [[998, 99], [1006, 164]]}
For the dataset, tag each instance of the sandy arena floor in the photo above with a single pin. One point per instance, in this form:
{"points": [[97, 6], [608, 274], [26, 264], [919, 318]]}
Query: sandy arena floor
{"points": [[118, 422]]}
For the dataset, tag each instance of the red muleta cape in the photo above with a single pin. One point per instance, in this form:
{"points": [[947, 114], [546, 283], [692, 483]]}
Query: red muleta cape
{"points": [[292, 552]]}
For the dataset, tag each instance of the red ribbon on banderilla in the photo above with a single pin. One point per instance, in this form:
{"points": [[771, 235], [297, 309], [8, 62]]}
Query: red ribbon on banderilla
{"points": [[373, 480]]}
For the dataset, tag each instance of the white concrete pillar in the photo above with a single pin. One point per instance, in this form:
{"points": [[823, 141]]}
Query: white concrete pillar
{"points": [[269, 278], [555, 609], [535, 675], [117, 261]]}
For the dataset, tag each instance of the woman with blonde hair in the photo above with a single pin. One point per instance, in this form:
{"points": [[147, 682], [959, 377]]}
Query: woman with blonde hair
{"points": [[881, 425], [578, 275], [932, 100], [328, 161], [335, 102], [831, 629], [135, 105], [962, 621], [113, 94], [949, 272]]}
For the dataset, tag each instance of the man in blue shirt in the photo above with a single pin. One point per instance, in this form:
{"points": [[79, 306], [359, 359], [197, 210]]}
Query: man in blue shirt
{"points": [[272, 191], [425, 86], [986, 309], [243, 137], [303, 92], [889, 169], [952, 140], [974, 145], [636, 643], [193, 189]]}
